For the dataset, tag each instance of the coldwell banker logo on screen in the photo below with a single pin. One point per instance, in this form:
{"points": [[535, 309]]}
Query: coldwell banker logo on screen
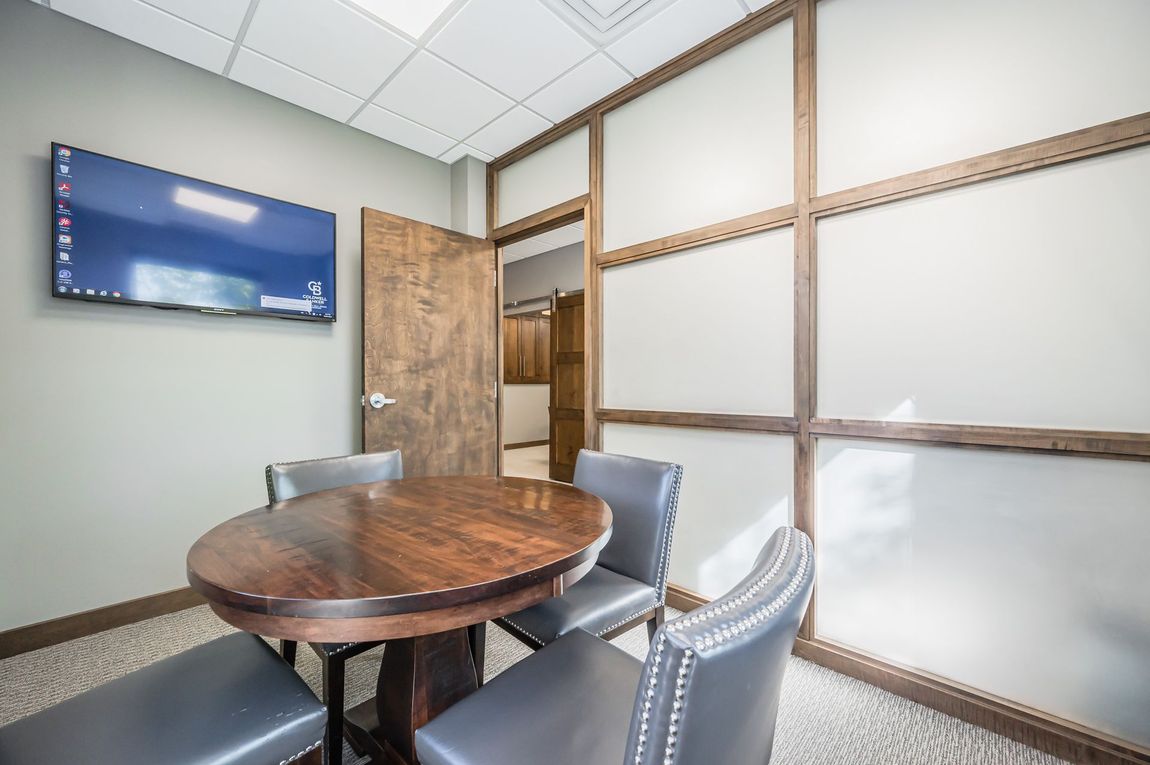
{"points": [[316, 288]]}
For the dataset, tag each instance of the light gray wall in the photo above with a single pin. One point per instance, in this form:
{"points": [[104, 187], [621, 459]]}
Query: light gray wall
{"points": [[538, 275], [525, 413], [469, 196], [127, 432]]}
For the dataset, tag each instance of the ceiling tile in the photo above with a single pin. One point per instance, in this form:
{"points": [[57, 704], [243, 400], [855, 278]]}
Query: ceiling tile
{"points": [[516, 46], [412, 17], [673, 31], [582, 86], [561, 237], [524, 249], [392, 127], [436, 94], [274, 78], [224, 17], [327, 40], [461, 150], [153, 28], [508, 131]]}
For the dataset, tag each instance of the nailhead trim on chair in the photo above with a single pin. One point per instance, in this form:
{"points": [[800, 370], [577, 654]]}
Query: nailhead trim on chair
{"points": [[718, 636], [728, 604], [635, 615], [271, 488], [645, 715], [298, 755], [664, 556], [677, 707], [660, 579], [519, 629]]}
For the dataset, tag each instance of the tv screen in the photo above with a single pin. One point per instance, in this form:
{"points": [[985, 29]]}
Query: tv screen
{"points": [[126, 233]]}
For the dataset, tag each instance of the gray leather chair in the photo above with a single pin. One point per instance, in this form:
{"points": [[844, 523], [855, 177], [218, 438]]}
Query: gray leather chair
{"points": [[708, 692], [628, 585], [291, 479], [231, 701]]}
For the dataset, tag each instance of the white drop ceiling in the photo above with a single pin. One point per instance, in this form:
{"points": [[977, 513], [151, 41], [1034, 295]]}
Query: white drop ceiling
{"points": [[545, 242], [445, 78]]}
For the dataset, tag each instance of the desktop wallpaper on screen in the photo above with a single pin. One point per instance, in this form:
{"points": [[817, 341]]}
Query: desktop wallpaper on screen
{"points": [[123, 232]]}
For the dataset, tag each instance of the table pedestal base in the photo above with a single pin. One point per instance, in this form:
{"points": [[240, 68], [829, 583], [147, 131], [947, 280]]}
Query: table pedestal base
{"points": [[419, 678]]}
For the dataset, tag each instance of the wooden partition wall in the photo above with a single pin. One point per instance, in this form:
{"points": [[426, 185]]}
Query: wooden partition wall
{"points": [[966, 436]]}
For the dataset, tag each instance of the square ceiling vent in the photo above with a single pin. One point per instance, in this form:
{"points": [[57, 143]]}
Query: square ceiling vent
{"points": [[606, 20]]}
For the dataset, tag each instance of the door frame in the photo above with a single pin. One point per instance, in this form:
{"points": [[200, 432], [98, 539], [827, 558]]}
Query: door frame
{"points": [[550, 219]]}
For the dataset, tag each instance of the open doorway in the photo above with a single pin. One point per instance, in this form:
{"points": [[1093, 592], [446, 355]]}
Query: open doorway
{"points": [[542, 353]]}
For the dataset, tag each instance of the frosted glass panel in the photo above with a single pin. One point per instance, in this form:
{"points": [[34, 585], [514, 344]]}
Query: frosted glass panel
{"points": [[904, 85], [704, 330], [713, 144], [1021, 301], [737, 489], [1021, 575], [551, 175]]}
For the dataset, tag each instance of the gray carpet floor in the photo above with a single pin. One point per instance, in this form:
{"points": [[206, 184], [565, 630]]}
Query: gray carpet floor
{"points": [[824, 717]]}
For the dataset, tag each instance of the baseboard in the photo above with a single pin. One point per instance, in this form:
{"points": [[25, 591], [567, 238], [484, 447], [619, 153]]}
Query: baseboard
{"points": [[1053, 735], [684, 599], [525, 444], [1061, 738], [59, 630]]}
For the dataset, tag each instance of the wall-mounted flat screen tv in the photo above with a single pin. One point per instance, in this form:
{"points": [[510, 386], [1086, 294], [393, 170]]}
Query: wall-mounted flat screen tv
{"points": [[126, 233]]}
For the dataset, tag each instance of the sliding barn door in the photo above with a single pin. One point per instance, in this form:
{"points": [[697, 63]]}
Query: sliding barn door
{"points": [[566, 410], [429, 346]]}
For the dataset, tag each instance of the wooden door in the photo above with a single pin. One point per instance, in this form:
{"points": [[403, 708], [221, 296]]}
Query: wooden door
{"points": [[429, 343], [510, 349], [566, 411], [527, 348], [543, 350]]}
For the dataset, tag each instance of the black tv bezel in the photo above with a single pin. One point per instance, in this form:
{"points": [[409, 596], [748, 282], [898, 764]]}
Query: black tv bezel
{"points": [[208, 309]]}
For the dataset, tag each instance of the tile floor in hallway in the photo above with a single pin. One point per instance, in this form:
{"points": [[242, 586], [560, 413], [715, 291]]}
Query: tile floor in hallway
{"points": [[529, 462]]}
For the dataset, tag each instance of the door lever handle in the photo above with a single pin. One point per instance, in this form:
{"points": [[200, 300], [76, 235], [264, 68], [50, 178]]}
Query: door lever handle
{"points": [[379, 401]]}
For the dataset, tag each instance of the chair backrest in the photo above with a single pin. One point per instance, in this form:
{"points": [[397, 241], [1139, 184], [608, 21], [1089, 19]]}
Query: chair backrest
{"points": [[643, 495], [710, 687], [291, 479]]}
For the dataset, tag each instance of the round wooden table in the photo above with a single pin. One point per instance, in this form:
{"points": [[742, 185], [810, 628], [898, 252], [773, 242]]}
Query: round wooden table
{"points": [[412, 561]]}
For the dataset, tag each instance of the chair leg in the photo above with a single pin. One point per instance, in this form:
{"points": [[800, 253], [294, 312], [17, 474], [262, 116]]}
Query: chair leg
{"points": [[654, 622], [477, 637], [287, 651], [333, 700]]}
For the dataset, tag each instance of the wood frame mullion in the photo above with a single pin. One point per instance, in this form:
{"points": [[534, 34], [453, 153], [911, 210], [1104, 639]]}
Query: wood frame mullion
{"points": [[709, 48], [537, 223], [1045, 732], [1083, 443], [713, 421], [593, 290], [777, 217], [1106, 138], [804, 279]]}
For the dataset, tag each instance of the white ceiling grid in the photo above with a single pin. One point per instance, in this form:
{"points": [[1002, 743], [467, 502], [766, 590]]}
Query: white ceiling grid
{"points": [[545, 242], [445, 78]]}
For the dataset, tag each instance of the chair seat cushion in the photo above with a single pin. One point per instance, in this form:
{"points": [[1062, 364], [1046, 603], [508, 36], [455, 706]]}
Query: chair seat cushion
{"points": [[568, 704], [597, 603], [231, 701]]}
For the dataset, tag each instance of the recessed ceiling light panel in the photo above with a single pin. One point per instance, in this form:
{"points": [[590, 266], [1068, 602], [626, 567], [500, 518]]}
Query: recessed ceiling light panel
{"points": [[412, 17]]}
